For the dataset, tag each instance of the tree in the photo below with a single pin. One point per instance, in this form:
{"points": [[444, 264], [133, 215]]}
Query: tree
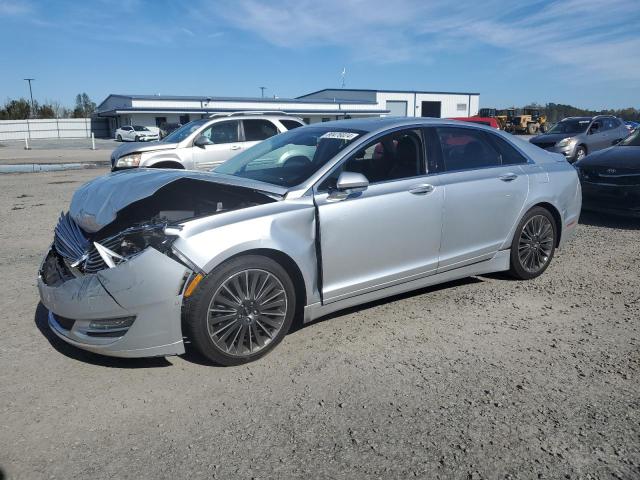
{"points": [[84, 106], [46, 111], [16, 110]]}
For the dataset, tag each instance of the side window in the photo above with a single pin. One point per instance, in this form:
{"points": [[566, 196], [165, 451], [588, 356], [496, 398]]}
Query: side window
{"points": [[223, 132], [257, 130], [395, 156], [467, 149], [508, 154], [610, 123], [290, 124]]}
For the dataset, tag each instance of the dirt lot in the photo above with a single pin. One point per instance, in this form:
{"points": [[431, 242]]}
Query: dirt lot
{"points": [[481, 378]]}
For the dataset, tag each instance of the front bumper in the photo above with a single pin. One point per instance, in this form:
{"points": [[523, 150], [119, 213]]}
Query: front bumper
{"points": [[147, 287], [614, 199], [569, 151]]}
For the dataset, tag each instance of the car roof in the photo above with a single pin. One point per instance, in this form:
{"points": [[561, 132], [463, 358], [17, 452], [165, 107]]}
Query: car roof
{"points": [[372, 124]]}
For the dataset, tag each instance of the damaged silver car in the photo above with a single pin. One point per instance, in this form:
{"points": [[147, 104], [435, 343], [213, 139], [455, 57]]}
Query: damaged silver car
{"points": [[308, 222]]}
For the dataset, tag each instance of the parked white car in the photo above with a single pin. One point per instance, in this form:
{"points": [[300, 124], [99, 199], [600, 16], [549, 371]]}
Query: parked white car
{"points": [[205, 143], [136, 133]]}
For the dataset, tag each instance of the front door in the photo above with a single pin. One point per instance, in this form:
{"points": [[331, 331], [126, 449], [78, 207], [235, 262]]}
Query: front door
{"points": [[485, 189], [390, 232], [224, 138]]}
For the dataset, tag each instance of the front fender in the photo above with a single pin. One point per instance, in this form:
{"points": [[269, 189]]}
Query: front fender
{"points": [[286, 226]]}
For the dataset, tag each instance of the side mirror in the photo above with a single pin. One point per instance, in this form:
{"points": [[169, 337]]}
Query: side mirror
{"points": [[352, 182], [202, 141]]}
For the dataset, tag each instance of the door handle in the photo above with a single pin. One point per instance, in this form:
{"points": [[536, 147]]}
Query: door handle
{"points": [[508, 177], [236, 147], [422, 189]]}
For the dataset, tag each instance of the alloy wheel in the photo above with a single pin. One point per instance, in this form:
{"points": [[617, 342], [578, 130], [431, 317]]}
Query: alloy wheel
{"points": [[246, 312], [536, 243]]}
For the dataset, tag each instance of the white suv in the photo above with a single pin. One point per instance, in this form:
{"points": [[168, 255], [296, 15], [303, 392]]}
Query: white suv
{"points": [[205, 143]]}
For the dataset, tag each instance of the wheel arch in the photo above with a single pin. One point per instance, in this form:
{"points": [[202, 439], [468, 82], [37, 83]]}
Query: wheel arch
{"points": [[167, 164]]}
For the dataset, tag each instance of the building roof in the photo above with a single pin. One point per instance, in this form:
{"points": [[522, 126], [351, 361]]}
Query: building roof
{"points": [[384, 91], [208, 99]]}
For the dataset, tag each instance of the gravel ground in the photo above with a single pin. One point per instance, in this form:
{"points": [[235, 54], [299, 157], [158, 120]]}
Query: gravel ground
{"points": [[480, 378]]}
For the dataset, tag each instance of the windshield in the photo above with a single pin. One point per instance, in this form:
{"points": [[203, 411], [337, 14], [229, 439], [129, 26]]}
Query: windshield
{"points": [[184, 131], [570, 126], [633, 140], [290, 158], [138, 128]]}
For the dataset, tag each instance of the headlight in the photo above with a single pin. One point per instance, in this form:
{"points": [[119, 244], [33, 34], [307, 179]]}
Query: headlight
{"points": [[565, 141], [129, 161]]}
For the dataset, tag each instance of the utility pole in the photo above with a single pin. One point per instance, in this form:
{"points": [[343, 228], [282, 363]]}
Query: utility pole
{"points": [[262, 89], [33, 107]]}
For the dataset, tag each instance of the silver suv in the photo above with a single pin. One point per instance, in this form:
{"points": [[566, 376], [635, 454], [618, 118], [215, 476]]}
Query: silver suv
{"points": [[205, 143], [575, 137]]}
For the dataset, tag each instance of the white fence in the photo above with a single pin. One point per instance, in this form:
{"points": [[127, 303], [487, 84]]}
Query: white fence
{"points": [[53, 128]]}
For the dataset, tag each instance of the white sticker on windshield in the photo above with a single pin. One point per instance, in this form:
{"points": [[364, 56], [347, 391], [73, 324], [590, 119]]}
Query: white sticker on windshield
{"points": [[340, 135]]}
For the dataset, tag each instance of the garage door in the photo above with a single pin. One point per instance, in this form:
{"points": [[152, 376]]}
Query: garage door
{"points": [[397, 108]]}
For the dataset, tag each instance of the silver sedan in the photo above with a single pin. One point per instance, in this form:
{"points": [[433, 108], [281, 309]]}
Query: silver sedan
{"points": [[306, 223]]}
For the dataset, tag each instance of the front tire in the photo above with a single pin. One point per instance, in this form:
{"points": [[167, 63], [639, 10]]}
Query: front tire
{"points": [[581, 152], [119, 138], [533, 244], [241, 310]]}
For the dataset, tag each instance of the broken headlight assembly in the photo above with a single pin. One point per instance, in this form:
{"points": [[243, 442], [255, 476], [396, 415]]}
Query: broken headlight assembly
{"points": [[127, 244]]}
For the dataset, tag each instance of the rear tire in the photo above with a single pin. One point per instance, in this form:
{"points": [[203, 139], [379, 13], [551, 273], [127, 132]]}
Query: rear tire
{"points": [[241, 310], [533, 244]]}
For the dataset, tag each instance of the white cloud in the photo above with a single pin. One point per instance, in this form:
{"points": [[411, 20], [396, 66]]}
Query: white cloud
{"points": [[580, 36], [12, 7]]}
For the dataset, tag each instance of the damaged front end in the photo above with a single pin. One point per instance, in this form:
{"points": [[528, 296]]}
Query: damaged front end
{"points": [[117, 288]]}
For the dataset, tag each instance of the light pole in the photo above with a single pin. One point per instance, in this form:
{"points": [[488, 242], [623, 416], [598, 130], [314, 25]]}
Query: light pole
{"points": [[262, 89], [33, 107]]}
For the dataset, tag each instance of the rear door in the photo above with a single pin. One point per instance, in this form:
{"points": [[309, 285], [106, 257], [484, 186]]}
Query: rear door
{"points": [[225, 143], [485, 189]]}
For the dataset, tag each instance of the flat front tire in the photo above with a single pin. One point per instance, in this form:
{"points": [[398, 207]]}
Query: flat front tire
{"points": [[533, 244], [241, 310]]}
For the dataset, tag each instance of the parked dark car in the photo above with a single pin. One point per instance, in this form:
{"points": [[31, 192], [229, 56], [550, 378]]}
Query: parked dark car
{"points": [[610, 178], [577, 137]]}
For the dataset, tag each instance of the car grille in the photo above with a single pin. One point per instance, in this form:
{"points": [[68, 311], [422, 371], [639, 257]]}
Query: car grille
{"points": [[611, 176], [545, 145], [71, 244], [69, 240]]}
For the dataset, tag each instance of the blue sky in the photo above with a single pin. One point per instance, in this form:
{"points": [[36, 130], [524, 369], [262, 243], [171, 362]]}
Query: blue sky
{"points": [[581, 52]]}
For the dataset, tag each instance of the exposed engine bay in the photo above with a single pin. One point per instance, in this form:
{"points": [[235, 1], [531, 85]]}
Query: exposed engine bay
{"points": [[140, 225]]}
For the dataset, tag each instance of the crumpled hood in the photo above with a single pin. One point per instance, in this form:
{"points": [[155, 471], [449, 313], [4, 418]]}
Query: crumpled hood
{"points": [[97, 203], [127, 148]]}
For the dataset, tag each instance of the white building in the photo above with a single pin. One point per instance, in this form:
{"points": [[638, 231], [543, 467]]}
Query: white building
{"points": [[320, 106]]}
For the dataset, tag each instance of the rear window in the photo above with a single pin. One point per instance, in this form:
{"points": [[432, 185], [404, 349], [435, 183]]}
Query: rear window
{"points": [[468, 149], [258, 130], [290, 124]]}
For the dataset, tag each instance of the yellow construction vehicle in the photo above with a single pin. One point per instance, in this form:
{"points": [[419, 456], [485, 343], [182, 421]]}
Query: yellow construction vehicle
{"points": [[530, 121]]}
